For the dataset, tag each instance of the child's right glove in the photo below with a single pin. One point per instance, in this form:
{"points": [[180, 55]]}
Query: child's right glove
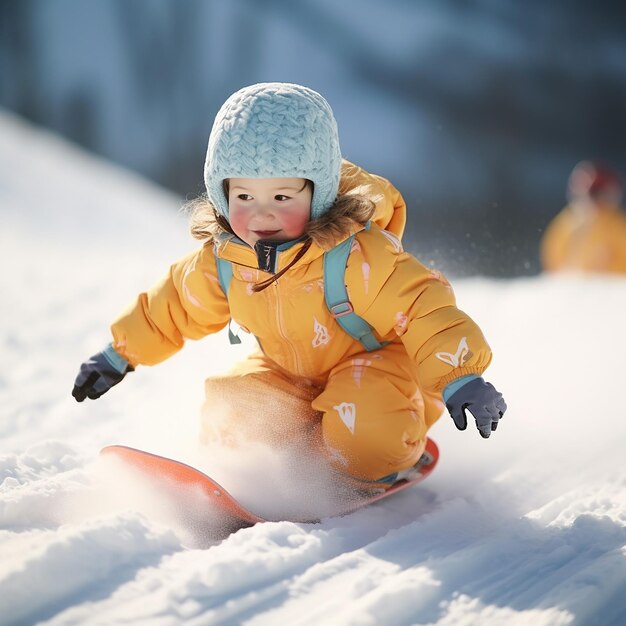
{"points": [[481, 399], [99, 373]]}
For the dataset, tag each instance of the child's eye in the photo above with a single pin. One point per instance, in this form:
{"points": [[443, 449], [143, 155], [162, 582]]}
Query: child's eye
{"points": [[281, 198], [244, 196]]}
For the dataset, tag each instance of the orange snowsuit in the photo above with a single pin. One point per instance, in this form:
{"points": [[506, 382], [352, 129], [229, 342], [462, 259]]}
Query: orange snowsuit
{"points": [[586, 238], [368, 411]]}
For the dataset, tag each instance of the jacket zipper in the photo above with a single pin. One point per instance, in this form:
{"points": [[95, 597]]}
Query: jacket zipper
{"points": [[281, 328]]}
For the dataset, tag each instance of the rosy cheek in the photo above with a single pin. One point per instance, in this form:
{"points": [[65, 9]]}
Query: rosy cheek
{"points": [[238, 222], [293, 223]]}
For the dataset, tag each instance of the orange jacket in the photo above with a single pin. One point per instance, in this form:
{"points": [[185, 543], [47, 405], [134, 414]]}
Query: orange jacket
{"points": [[586, 238], [399, 297]]}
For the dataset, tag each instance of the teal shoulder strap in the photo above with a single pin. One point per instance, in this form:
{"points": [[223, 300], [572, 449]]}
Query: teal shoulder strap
{"points": [[225, 275], [336, 297]]}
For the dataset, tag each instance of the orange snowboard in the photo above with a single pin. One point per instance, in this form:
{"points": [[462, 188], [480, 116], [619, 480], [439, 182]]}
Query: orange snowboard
{"points": [[217, 499]]}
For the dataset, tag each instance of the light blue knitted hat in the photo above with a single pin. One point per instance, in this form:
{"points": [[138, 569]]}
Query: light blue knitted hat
{"points": [[274, 130]]}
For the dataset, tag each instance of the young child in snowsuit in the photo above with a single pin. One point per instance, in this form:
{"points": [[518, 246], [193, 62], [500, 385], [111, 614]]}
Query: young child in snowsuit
{"points": [[278, 198]]}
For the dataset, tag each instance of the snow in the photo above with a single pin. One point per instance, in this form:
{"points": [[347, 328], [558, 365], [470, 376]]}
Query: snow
{"points": [[528, 527]]}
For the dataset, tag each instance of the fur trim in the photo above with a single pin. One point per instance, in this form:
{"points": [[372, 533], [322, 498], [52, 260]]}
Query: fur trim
{"points": [[339, 222]]}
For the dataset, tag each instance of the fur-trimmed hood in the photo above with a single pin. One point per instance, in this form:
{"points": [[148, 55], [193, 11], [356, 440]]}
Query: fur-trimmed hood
{"points": [[340, 222]]}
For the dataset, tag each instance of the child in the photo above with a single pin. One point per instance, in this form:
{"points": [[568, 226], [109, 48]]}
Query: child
{"points": [[279, 197], [589, 234]]}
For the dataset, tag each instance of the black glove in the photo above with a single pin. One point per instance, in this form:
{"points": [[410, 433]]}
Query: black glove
{"points": [[482, 400], [99, 373]]}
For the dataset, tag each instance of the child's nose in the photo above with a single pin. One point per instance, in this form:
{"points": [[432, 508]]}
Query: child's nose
{"points": [[264, 210]]}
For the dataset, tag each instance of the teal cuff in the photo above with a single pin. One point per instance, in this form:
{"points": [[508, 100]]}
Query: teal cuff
{"points": [[118, 362], [451, 388]]}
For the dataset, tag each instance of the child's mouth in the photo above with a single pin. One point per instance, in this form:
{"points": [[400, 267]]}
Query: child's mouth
{"points": [[265, 234]]}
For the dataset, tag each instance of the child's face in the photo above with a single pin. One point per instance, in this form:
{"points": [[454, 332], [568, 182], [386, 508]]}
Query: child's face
{"points": [[269, 208]]}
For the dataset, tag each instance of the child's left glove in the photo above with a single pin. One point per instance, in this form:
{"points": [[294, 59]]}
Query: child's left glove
{"points": [[99, 373], [482, 400]]}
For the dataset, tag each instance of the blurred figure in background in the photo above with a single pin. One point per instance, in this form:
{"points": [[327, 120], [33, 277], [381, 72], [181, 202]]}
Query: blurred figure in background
{"points": [[589, 234]]}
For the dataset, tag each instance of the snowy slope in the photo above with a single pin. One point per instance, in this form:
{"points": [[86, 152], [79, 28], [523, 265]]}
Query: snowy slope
{"points": [[528, 527]]}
